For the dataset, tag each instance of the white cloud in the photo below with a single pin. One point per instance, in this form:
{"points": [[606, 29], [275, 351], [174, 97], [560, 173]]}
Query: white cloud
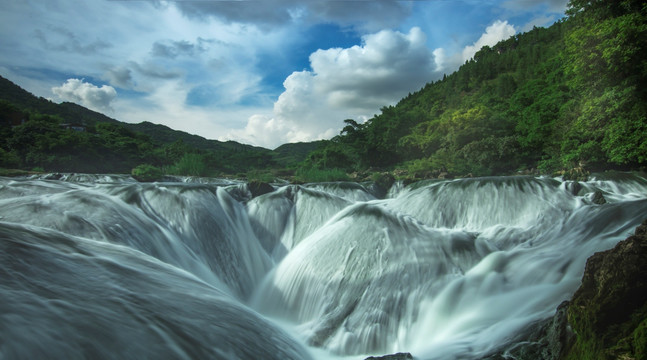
{"points": [[499, 30], [86, 94], [344, 83]]}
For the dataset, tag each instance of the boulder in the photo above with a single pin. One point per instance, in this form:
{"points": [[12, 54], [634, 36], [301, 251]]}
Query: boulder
{"points": [[605, 319], [258, 188], [598, 198], [397, 356], [609, 310]]}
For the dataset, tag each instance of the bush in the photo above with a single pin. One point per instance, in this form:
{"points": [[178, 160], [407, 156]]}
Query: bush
{"points": [[319, 175], [146, 173], [190, 165], [260, 176]]}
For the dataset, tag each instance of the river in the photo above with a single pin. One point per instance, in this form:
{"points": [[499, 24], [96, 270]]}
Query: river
{"points": [[104, 267]]}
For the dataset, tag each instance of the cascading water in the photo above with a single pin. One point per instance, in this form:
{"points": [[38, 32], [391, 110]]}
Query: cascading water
{"points": [[102, 266]]}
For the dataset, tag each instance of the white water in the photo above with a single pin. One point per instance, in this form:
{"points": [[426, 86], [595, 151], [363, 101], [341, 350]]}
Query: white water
{"points": [[105, 267]]}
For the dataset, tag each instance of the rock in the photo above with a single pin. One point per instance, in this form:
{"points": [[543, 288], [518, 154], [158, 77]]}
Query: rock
{"points": [[258, 188], [398, 356], [598, 198], [577, 174], [53, 176], [575, 187], [547, 340], [609, 310], [605, 319], [383, 183]]}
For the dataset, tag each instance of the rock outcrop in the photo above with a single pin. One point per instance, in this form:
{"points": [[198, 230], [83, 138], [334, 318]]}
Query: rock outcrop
{"points": [[605, 319], [398, 356], [258, 188], [608, 313]]}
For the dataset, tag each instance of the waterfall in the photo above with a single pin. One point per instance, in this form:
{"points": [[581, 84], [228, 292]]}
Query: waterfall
{"points": [[103, 266]]}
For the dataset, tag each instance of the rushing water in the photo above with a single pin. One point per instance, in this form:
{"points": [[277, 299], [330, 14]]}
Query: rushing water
{"points": [[100, 266]]}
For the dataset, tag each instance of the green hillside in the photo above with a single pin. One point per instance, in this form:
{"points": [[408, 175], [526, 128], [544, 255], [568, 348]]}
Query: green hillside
{"points": [[571, 96], [37, 134]]}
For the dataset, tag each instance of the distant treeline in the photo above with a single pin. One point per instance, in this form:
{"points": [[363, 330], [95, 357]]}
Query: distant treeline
{"points": [[569, 96], [39, 135]]}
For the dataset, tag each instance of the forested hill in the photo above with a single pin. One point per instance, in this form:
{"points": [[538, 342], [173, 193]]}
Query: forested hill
{"points": [[38, 134], [564, 97]]}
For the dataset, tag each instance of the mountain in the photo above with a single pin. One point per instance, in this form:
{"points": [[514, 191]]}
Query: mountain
{"points": [[35, 134], [570, 97]]}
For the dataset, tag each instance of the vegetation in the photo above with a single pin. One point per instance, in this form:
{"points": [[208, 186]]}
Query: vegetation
{"points": [[566, 98], [37, 134], [560, 98], [147, 173], [306, 175]]}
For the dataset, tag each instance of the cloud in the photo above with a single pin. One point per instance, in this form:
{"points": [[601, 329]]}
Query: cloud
{"points": [[156, 71], [86, 94], [344, 83], [538, 22], [60, 39], [120, 76], [365, 14], [557, 6], [499, 30], [172, 49]]}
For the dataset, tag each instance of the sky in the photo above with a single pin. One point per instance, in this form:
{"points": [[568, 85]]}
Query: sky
{"points": [[260, 72]]}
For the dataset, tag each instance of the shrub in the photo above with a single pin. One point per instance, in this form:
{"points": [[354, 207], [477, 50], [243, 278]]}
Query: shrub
{"points": [[190, 165], [319, 175], [146, 173]]}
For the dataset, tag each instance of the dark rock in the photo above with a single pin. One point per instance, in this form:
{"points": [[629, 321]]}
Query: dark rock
{"points": [[398, 356], [575, 187], [547, 340], [598, 198], [605, 319], [258, 188], [383, 183], [609, 310], [53, 176], [577, 174]]}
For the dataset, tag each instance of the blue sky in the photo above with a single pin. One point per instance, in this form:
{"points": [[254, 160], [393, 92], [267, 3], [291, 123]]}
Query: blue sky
{"points": [[258, 72]]}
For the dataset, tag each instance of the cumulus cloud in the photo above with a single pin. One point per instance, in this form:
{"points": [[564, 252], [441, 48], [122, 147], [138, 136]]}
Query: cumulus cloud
{"points": [[499, 30], [344, 83], [86, 94]]}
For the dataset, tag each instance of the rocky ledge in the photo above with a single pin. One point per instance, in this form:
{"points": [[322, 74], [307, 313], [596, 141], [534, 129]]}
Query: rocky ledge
{"points": [[607, 316]]}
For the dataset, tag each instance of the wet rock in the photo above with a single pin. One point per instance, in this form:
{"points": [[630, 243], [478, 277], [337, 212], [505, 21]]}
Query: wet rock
{"points": [[575, 187], [398, 356], [258, 188], [548, 340], [605, 319], [598, 198], [609, 310], [53, 176], [576, 174]]}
